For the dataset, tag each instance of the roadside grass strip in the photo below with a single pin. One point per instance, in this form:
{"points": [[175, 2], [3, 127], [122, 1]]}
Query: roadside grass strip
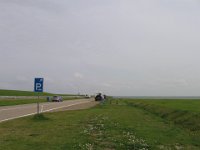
{"points": [[28, 93], [100, 134], [12, 102], [183, 118], [113, 125]]}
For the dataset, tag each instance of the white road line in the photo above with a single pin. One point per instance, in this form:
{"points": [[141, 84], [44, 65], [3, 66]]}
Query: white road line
{"points": [[43, 111], [42, 108], [17, 117], [28, 105]]}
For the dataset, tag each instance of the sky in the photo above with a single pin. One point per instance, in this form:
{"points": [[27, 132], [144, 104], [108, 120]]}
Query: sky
{"points": [[118, 47]]}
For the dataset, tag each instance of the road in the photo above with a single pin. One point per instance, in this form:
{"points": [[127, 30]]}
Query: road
{"points": [[18, 111]]}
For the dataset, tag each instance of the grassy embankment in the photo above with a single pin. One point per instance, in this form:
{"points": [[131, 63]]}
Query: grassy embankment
{"points": [[184, 113], [122, 124], [22, 93], [28, 93], [29, 99]]}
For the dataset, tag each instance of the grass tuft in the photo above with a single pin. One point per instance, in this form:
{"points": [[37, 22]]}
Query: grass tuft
{"points": [[40, 117]]}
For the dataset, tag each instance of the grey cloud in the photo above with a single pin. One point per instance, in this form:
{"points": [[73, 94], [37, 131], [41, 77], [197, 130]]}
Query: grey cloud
{"points": [[121, 47], [45, 5]]}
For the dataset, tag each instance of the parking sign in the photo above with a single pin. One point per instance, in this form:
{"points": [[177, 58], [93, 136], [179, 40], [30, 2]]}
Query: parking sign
{"points": [[38, 85]]}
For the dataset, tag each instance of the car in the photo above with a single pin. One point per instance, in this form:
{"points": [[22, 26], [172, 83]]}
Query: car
{"points": [[99, 97], [87, 96], [57, 99]]}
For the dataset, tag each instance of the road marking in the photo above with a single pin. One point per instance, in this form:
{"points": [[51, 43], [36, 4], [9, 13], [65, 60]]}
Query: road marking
{"points": [[19, 107], [43, 111], [17, 117], [42, 108], [28, 105]]}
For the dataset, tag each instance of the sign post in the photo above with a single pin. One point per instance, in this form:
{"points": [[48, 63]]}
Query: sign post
{"points": [[38, 107], [38, 87]]}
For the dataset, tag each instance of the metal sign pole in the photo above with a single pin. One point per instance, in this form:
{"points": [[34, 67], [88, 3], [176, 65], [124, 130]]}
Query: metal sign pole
{"points": [[38, 108], [38, 87]]}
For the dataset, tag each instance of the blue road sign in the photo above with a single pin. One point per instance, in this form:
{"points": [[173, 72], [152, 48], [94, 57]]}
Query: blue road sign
{"points": [[38, 85]]}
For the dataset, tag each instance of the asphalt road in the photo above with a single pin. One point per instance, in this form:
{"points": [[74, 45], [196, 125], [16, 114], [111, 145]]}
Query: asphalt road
{"points": [[18, 111]]}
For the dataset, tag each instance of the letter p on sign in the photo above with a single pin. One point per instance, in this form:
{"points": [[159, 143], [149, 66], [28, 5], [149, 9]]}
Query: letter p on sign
{"points": [[38, 85]]}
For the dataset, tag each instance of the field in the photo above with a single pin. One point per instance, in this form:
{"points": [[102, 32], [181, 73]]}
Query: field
{"points": [[11, 102], [115, 124], [27, 93], [22, 93], [26, 97]]}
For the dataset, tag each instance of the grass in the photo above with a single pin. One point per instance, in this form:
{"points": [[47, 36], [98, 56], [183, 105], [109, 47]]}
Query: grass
{"points": [[181, 104], [180, 112], [22, 93], [16, 100], [119, 124], [11, 102], [28, 93]]}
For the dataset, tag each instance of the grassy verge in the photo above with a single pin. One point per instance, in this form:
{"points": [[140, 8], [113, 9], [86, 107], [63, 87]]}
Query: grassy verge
{"points": [[22, 93], [184, 113], [11, 102], [112, 125], [27, 93]]}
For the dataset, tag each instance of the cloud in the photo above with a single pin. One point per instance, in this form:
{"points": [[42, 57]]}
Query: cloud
{"points": [[119, 47], [106, 85], [22, 78], [78, 75], [174, 83]]}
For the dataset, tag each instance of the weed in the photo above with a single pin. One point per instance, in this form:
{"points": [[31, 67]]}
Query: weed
{"points": [[40, 117]]}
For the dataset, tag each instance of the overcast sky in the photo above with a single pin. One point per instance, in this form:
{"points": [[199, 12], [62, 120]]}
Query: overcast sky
{"points": [[119, 47]]}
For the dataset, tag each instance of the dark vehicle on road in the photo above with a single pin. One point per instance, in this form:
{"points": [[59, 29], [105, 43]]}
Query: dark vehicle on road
{"points": [[57, 99], [99, 97]]}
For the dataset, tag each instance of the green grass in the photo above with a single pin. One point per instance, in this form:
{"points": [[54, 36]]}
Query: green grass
{"points": [[192, 105], [28, 93], [11, 102], [28, 100], [184, 113], [117, 125], [22, 93]]}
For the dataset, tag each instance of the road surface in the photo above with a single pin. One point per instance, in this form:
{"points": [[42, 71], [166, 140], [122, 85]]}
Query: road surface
{"points": [[18, 111]]}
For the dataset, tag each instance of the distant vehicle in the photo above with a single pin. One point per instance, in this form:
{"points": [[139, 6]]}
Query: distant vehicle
{"points": [[87, 96], [57, 99], [99, 97]]}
